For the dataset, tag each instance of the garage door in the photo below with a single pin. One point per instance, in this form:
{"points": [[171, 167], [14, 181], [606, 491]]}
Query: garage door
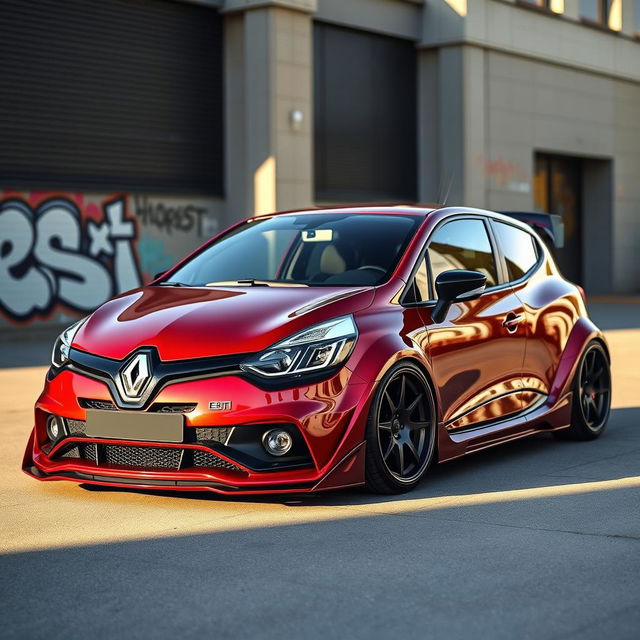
{"points": [[111, 95], [365, 116]]}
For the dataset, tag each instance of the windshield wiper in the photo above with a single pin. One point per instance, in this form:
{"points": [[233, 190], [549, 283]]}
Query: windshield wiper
{"points": [[169, 283], [252, 282]]}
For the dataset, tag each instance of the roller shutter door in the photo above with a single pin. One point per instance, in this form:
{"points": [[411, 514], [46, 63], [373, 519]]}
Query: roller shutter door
{"points": [[111, 95], [365, 116]]}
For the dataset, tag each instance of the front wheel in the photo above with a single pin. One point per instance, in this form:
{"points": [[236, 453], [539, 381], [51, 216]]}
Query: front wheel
{"points": [[591, 395], [401, 431]]}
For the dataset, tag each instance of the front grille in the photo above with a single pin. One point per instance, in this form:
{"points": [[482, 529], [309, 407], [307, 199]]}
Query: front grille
{"points": [[172, 407], [213, 434], [157, 407], [136, 456]]}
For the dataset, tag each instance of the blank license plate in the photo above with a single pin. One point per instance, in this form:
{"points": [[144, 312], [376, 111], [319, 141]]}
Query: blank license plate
{"points": [[130, 425]]}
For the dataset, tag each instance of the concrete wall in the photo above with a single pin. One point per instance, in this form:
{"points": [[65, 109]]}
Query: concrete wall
{"points": [[533, 106], [511, 82]]}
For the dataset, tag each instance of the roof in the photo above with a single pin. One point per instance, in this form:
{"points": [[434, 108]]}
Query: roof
{"points": [[400, 209]]}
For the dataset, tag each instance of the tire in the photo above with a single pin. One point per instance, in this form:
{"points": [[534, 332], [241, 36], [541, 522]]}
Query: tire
{"points": [[401, 431], [591, 395]]}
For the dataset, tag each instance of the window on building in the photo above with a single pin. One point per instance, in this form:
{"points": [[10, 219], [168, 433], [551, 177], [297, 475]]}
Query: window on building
{"points": [[519, 249], [557, 6], [607, 13], [462, 244], [636, 17]]}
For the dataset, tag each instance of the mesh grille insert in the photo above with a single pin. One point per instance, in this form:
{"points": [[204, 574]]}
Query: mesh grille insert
{"points": [[77, 426], [88, 451], [213, 434], [149, 457], [206, 459]]}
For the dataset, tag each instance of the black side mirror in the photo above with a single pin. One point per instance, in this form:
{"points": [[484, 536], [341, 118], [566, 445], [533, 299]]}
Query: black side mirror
{"points": [[158, 275], [457, 285]]}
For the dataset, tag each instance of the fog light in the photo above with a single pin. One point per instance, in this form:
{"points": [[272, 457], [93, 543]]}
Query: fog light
{"points": [[55, 427], [277, 442]]}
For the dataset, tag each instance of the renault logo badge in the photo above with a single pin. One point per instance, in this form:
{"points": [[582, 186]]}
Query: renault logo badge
{"points": [[134, 377]]}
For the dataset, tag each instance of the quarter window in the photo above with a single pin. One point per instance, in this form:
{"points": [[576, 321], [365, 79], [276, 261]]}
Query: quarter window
{"points": [[518, 247], [463, 244], [419, 289]]}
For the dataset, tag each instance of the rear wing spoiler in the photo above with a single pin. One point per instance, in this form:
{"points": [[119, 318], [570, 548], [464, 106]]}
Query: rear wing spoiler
{"points": [[549, 226]]}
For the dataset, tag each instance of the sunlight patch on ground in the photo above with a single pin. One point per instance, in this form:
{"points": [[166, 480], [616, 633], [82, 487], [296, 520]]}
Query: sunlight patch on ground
{"points": [[137, 516]]}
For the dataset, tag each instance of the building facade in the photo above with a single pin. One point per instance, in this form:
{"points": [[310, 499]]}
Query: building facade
{"points": [[133, 129]]}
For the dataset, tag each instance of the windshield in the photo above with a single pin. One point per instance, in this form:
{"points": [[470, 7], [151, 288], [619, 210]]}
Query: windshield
{"points": [[307, 249]]}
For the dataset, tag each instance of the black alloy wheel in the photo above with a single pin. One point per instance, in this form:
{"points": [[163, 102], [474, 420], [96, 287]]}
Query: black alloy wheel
{"points": [[401, 431], [591, 395]]}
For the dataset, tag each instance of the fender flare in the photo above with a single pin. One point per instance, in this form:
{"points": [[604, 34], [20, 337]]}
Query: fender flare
{"points": [[583, 332]]}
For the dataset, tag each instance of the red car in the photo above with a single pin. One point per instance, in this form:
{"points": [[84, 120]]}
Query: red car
{"points": [[320, 349]]}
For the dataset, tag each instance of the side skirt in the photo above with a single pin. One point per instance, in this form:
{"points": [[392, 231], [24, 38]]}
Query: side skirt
{"points": [[539, 418]]}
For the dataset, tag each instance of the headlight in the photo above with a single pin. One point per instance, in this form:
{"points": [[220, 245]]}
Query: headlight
{"points": [[60, 353], [322, 346]]}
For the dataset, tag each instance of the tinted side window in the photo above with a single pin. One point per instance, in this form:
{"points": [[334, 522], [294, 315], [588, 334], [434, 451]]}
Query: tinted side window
{"points": [[518, 247], [463, 244]]}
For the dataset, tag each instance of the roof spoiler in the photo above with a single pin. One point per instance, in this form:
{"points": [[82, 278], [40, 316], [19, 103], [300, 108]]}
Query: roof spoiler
{"points": [[548, 225]]}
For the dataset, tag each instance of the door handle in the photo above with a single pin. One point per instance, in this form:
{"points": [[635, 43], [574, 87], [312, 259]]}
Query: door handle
{"points": [[512, 321]]}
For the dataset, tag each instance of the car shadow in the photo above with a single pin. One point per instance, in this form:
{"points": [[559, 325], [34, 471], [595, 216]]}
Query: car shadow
{"points": [[537, 461]]}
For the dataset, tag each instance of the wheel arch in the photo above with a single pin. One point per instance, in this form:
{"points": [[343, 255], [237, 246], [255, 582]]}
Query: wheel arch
{"points": [[583, 332]]}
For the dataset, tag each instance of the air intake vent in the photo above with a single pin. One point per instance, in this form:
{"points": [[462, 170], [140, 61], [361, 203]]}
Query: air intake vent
{"points": [[102, 405]]}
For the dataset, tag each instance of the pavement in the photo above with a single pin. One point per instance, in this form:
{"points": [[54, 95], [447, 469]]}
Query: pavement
{"points": [[535, 539]]}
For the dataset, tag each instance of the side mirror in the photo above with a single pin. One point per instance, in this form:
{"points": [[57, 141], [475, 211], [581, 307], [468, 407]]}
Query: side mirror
{"points": [[457, 285], [158, 275]]}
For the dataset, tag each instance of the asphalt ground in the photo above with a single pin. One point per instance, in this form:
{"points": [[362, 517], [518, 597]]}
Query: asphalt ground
{"points": [[534, 539]]}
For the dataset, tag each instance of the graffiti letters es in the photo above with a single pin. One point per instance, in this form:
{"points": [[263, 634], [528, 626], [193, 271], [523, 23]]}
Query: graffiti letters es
{"points": [[50, 259]]}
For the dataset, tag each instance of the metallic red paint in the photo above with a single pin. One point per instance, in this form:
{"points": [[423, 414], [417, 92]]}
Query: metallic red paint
{"points": [[478, 368]]}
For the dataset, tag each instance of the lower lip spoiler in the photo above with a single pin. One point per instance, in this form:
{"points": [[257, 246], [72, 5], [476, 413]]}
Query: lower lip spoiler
{"points": [[349, 472]]}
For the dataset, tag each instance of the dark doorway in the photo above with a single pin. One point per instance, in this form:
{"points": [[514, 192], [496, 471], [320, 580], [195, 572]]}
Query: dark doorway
{"points": [[557, 189]]}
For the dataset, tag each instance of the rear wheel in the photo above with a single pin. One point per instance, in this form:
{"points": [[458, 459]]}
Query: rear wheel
{"points": [[591, 395], [401, 431]]}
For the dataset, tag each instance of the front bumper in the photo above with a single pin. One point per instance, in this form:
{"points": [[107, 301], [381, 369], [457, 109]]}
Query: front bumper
{"points": [[328, 416]]}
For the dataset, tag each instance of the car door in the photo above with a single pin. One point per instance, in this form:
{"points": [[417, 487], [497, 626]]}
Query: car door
{"points": [[549, 317], [477, 351]]}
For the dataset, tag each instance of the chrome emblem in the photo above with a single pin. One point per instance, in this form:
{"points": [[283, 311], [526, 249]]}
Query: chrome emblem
{"points": [[134, 377], [220, 405]]}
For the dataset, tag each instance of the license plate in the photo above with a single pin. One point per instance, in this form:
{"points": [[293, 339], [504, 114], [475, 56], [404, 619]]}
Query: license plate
{"points": [[131, 425]]}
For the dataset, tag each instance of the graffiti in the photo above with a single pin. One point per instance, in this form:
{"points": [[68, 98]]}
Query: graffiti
{"points": [[169, 217], [154, 256], [55, 255], [505, 175]]}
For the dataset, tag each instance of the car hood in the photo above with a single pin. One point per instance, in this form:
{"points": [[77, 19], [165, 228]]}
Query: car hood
{"points": [[186, 322]]}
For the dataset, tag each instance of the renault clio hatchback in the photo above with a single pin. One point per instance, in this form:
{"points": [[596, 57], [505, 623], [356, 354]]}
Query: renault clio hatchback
{"points": [[319, 349]]}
